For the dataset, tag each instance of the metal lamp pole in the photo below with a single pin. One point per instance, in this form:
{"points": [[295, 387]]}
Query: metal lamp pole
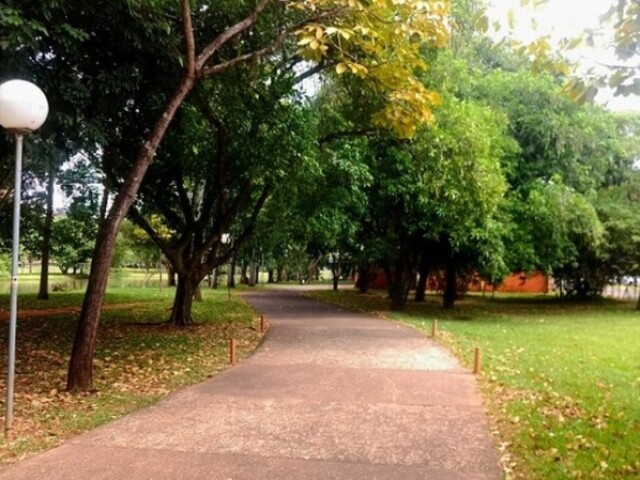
{"points": [[23, 109]]}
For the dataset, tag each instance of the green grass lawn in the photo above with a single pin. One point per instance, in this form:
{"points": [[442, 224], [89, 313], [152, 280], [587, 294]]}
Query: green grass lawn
{"points": [[561, 381], [138, 360]]}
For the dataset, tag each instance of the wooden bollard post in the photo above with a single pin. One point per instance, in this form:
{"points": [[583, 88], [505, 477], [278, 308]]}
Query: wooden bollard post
{"points": [[434, 328], [232, 351], [262, 325], [477, 360]]}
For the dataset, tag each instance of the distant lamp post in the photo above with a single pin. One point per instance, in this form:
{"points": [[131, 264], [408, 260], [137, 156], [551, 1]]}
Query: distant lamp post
{"points": [[23, 109], [226, 240]]}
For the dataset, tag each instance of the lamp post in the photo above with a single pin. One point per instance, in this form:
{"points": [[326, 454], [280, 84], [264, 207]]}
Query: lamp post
{"points": [[226, 240], [23, 109]]}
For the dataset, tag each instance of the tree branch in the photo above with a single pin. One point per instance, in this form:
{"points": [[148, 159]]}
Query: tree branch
{"points": [[229, 33], [214, 260], [246, 57], [142, 222], [278, 41], [312, 71], [190, 43], [216, 196], [185, 205]]}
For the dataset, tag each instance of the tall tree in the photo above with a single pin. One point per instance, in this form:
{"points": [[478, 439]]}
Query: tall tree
{"points": [[227, 153]]}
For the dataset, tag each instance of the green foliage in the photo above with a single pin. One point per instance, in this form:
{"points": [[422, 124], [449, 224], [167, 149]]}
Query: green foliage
{"points": [[73, 238], [556, 137], [619, 210], [460, 162]]}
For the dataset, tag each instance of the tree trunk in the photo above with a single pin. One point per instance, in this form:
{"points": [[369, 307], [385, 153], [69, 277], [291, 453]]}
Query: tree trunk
{"points": [[279, 273], [270, 278], [197, 294], [43, 292], [231, 281], [364, 271], [183, 301], [80, 376], [450, 286], [251, 278], [244, 279], [171, 276], [214, 279], [421, 287], [399, 286], [104, 202], [638, 304], [335, 272]]}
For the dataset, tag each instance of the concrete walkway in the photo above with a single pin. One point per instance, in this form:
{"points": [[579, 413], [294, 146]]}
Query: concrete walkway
{"points": [[329, 395]]}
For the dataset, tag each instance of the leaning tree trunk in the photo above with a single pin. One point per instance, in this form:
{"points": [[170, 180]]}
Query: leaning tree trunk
{"points": [[80, 376], [43, 292], [451, 284]]}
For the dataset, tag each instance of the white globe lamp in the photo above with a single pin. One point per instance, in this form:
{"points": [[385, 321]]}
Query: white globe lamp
{"points": [[23, 106]]}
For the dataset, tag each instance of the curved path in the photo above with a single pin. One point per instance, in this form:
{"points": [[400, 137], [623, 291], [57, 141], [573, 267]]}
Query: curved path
{"points": [[330, 394]]}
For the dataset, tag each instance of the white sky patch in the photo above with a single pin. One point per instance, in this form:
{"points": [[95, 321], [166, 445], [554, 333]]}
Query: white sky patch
{"points": [[567, 19]]}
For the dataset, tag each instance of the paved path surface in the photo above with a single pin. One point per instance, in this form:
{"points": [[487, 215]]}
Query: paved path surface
{"points": [[329, 395]]}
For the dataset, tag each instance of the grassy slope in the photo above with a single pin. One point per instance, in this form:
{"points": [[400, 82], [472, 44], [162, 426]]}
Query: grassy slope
{"points": [[138, 359], [562, 382]]}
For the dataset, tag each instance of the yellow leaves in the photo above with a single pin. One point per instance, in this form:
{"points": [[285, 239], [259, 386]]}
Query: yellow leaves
{"points": [[380, 41], [355, 68], [408, 108], [313, 43]]}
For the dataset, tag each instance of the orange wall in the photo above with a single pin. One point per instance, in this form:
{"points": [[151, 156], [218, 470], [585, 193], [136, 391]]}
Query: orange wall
{"points": [[521, 282]]}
